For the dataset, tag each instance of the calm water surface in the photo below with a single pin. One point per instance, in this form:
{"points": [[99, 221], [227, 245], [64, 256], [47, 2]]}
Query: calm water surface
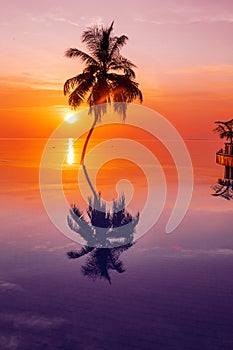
{"points": [[176, 291]]}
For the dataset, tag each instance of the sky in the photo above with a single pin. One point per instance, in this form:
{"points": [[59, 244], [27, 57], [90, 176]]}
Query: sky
{"points": [[182, 48]]}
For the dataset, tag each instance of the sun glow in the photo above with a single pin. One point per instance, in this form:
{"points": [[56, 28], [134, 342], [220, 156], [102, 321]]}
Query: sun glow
{"points": [[71, 118]]}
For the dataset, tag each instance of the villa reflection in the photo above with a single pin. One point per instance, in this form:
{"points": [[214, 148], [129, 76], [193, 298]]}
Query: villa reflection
{"points": [[225, 158], [224, 187]]}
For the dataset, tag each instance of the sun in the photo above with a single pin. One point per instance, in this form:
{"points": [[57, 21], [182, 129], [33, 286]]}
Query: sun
{"points": [[70, 118]]}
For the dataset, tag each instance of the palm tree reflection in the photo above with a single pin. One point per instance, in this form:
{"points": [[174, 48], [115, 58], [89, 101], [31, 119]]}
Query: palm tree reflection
{"points": [[103, 228], [101, 260], [107, 234], [224, 187]]}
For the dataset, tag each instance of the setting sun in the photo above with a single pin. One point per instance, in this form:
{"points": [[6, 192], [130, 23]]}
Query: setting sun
{"points": [[71, 118]]}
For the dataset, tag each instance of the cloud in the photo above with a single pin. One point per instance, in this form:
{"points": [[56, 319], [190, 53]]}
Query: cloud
{"points": [[95, 21], [187, 20], [44, 19], [226, 69], [54, 17], [46, 83], [9, 286], [21, 329], [181, 252], [89, 21], [214, 19], [10, 342], [221, 69], [31, 321], [47, 248]]}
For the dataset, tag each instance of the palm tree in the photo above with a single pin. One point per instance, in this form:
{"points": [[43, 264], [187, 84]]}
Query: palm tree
{"points": [[225, 130], [107, 76]]}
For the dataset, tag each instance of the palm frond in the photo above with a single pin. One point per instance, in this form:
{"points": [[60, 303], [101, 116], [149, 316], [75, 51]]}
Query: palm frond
{"points": [[124, 69], [75, 100], [81, 78], [80, 226], [117, 43], [99, 96], [92, 37], [122, 64], [224, 129], [127, 62], [228, 124], [121, 61], [124, 89], [83, 251], [72, 53], [118, 266], [92, 69], [77, 97], [225, 125]]}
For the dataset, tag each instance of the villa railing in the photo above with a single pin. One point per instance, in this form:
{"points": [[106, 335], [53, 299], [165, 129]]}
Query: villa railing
{"points": [[224, 158]]}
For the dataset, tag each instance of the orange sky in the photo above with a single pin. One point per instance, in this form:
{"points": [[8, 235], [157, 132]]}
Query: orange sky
{"points": [[183, 51]]}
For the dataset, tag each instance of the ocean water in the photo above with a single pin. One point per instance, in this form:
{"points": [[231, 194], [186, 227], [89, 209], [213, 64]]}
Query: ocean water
{"points": [[174, 291]]}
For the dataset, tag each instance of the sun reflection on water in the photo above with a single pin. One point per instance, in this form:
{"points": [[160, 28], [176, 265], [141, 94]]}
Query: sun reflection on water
{"points": [[70, 156]]}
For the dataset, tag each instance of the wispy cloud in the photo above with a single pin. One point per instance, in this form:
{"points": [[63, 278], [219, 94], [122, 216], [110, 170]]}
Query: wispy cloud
{"points": [[21, 329], [6, 286], [210, 19], [88, 21], [56, 18], [9, 342], [49, 248], [181, 252], [221, 69], [31, 321], [186, 20], [94, 21], [31, 81], [48, 17]]}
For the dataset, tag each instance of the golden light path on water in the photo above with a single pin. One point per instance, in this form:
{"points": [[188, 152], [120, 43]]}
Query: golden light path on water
{"points": [[70, 156], [70, 118]]}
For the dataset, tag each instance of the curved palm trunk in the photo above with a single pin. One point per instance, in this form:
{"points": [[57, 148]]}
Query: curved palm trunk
{"points": [[87, 140], [83, 157], [89, 181]]}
